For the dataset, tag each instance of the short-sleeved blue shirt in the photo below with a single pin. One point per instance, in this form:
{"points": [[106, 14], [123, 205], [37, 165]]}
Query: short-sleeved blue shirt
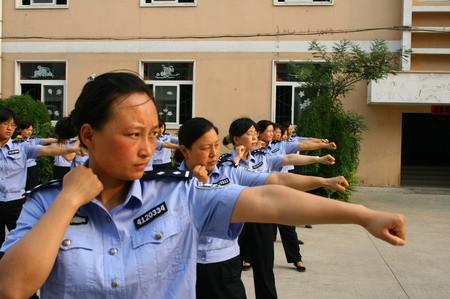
{"points": [[282, 148], [213, 250], [13, 168], [259, 161], [143, 248], [34, 141], [162, 156]]}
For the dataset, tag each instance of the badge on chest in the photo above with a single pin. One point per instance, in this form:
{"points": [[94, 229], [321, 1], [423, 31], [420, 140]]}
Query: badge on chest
{"points": [[150, 215]]}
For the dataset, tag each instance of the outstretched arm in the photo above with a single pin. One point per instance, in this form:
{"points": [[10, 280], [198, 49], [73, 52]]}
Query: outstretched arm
{"points": [[294, 159], [306, 182], [54, 150], [27, 264], [309, 145], [292, 207]]}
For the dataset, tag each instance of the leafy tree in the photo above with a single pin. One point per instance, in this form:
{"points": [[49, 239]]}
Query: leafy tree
{"points": [[35, 112], [329, 82]]}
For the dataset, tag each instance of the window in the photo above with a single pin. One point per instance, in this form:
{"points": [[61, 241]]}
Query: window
{"points": [[303, 2], [42, 3], [46, 82], [168, 3], [290, 97], [172, 85]]}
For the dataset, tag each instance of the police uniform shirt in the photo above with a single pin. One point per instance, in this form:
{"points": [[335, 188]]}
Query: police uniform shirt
{"points": [[163, 155], [149, 166], [34, 141], [280, 147], [214, 250], [79, 160], [60, 160], [13, 168], [261, 162], [143, 248]]}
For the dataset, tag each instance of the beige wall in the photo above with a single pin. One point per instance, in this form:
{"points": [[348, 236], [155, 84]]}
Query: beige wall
{"points": [[231, 84]]}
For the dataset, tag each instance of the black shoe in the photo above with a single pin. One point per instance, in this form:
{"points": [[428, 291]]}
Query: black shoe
{"points": [[300, 242], [308, 226], [246, 266], [299, 267]]}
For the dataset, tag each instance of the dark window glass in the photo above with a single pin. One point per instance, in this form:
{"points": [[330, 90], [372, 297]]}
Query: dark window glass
{"points": [[43, 71], [33, 90], [26, 2], [53, 99], [164, 71], [186, 1], [61, 2], [284, 73], [150, 87], [283, 108], [185, 103], [148, 1]]}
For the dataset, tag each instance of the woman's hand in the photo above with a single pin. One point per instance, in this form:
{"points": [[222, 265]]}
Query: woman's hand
{"points": [[200, 173], [81, 185], [328, 159], [389, 227], [338, 183]]}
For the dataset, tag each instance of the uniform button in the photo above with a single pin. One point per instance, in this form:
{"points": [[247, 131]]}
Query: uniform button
{"points": [[108, 219], [114, 284], [204, 241], [203, 257], [158, 236], [66, 242], [112, 251]]}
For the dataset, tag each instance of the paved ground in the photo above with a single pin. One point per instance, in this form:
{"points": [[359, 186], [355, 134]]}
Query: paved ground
{"points": [[344, 261]]}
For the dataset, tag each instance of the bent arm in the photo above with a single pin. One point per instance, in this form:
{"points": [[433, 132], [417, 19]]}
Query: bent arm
{"points": [[26, 265], [279, 204]]}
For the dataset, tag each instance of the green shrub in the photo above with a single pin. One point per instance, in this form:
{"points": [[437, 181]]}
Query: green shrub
{"points": [[35, 112]]}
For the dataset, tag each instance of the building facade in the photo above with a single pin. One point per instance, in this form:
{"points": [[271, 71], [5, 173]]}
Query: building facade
{"points": [[223, 60]]}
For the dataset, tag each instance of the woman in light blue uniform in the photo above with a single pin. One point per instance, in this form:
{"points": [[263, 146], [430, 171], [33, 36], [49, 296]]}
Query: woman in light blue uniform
{"points": [[14, 156], [62, 164], [162, 158], [25, 131], [107, 231], [218, 261]]}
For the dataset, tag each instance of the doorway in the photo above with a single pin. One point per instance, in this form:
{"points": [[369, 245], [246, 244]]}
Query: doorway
{"points": [[425, 150]]}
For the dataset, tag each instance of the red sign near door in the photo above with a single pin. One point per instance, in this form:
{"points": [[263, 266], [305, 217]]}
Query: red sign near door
{"points": [[440, 110]]}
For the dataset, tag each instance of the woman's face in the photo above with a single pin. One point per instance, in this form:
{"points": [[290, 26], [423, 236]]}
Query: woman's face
{"points": [[204, 151], [121, 149], [277, 134], [26, 133], [285, 136], [249, 139], [267, 134], [290, 130], [7, 129]]}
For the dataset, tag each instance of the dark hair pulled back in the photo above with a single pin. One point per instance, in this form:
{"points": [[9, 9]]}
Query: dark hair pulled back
{"points": [[238, 128]]}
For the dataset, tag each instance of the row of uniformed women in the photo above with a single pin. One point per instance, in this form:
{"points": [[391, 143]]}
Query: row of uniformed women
{"points": [[219, 264], [15, 157], [109, 231]]}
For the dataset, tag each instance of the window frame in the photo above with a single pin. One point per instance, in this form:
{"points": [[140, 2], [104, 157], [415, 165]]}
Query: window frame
{"points": [[53, 5], [166, 3], [293, 84], [303, 2], [44, 82], [178, 83]]}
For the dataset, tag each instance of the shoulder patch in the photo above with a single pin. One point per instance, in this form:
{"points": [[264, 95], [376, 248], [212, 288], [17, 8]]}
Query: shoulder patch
{"points": [[259, 152], [276, 141], [52, 183], [208, 186], [167, 173], [18, 141]]}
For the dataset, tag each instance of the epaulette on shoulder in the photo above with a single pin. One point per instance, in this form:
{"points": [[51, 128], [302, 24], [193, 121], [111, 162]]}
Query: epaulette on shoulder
{"points": [[52, 183], [277, 141], [72, 141], [167, 173], [18, 140], [259, 152], [226, 158]]}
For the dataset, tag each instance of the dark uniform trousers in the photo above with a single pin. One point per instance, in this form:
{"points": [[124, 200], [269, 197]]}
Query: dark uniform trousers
{"points": [[289, 240], [9, 213], [32, 177], [257, 242], [220, 280]]}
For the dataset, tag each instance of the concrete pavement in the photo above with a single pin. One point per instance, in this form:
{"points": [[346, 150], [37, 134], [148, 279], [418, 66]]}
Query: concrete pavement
{"points": [[344, 261]]}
